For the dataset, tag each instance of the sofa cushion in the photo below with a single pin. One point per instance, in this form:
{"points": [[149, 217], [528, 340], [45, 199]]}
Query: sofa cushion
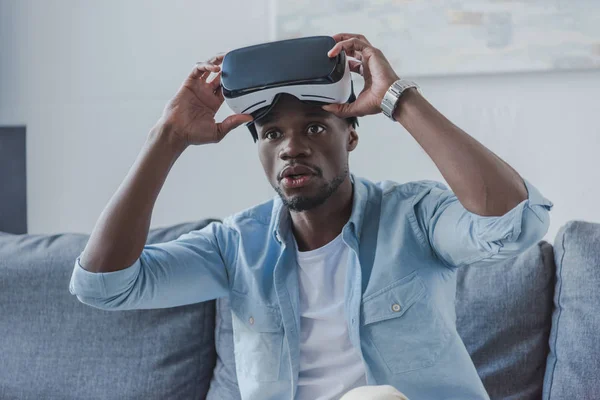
{"points": [[503, 316], [54, 347], [573, 369]]}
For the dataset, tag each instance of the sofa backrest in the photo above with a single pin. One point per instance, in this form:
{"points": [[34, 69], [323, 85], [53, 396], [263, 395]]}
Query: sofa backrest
{"points": [[54, 347], [504, 316], [573, 369]]}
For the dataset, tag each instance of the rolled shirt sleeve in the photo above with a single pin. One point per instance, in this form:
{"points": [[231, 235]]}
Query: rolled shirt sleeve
{"points": [[190, 269], [461, 238]]}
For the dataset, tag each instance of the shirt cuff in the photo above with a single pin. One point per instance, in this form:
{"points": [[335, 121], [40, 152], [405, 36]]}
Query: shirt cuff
{"points": [[535, 197], [509, 226], [102, 284]]}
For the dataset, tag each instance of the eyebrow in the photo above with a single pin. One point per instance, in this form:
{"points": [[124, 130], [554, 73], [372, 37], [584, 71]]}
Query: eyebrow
{"points": [[272, 116]]}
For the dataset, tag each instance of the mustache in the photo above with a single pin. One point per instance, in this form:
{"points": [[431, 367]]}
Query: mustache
{"points": [[318, 171]]}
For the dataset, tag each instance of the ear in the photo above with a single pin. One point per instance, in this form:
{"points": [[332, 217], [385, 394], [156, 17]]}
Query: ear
{"points": [[352, 139]]}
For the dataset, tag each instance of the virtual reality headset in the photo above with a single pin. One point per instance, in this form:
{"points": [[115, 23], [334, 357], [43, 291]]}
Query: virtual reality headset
{"points": [[253, 78]]}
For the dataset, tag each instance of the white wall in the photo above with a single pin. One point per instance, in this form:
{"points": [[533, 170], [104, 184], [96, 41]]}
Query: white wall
{"points": [[90, 78]]}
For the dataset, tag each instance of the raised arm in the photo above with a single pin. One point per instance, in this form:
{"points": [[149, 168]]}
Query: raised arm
{"points": [[117, 241], [483, 183], [491, 212]]}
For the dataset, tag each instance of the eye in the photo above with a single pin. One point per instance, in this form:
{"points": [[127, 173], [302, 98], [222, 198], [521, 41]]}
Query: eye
{"points": [[272, 135], [312, 131]]}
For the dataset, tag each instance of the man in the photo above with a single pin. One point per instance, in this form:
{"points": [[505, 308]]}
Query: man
{"points": [[338, 282]]}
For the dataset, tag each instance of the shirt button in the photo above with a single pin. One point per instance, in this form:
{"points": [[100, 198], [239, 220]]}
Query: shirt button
{"points": [[251, 320], [353, 321], [396, 307]]}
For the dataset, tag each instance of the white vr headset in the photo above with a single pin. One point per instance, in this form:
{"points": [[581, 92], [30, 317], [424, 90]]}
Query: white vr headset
{"points": [[252, 78]]}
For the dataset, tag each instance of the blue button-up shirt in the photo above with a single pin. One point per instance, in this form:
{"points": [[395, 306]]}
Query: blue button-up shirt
{"points": [[405, 243]]}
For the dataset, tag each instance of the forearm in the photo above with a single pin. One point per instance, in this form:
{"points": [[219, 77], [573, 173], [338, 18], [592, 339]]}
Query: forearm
{"points": [[121, 231], [483, 183]]}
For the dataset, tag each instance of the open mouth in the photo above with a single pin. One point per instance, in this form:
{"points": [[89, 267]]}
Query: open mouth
{"points": [[296, 171], [297, 175], [296, 180]]}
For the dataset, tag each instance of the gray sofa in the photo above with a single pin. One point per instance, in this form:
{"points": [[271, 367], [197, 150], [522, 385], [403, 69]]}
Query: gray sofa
{"points": [[531, 325]]}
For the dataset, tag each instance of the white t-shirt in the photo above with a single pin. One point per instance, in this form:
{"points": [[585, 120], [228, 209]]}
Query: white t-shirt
{"points": [[329, 364]]}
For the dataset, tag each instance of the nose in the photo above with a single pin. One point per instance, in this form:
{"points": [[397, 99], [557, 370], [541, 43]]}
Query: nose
{"points": [[294, 146]]}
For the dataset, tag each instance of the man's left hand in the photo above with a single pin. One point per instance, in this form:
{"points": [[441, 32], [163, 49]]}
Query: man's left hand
{"points": [[373, 66]]}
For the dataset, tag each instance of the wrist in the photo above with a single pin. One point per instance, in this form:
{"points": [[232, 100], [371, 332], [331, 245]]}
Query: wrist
{"points": [[164, 136], [408, 99]]}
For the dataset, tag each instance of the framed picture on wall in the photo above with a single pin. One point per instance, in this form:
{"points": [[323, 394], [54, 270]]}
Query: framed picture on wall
{"points": [[448, 37]]}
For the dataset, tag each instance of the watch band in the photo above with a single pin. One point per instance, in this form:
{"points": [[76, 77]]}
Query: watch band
{"points": [[393, 94]]}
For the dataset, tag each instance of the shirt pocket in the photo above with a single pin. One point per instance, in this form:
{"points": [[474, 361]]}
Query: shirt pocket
{"points": [[257, 338], [403, 325]]}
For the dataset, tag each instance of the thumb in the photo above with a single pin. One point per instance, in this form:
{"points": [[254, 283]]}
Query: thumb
{"points": [[344, 110], [232, 122]]}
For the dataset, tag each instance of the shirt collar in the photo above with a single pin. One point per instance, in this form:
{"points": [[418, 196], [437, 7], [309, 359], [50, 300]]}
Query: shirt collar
{"points": [[359, 202], [281, 217]]}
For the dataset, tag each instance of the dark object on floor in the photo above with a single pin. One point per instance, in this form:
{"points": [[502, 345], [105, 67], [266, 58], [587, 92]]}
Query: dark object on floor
{"points": [[13, 182]]}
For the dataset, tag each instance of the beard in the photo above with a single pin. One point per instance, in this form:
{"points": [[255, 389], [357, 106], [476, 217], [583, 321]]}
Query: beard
{"points": [[325, 191]]}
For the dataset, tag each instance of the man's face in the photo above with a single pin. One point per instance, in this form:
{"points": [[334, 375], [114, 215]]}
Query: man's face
{"points": [[304, 152]]}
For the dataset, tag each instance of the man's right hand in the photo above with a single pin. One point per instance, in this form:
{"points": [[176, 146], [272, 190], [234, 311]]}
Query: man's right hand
{"points": [[190, 115]]}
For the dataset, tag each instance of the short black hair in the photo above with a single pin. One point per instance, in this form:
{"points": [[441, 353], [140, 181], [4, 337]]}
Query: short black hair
{"points": [[252, 127]]}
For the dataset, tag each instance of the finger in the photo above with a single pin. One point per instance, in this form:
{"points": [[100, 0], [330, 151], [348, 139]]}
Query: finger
{"points": [[202, 70], [232, 122], [207, 66], [217, 59], [356, 66], [219, 94], [345, 36], [350, 46], [341, 110], [215, 83]]}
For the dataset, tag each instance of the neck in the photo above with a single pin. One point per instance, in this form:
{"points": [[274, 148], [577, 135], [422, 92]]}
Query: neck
{"points": [[316, 227]]}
